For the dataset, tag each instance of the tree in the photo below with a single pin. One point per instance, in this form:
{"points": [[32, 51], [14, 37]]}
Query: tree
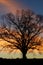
{"points": [[25, 29]]}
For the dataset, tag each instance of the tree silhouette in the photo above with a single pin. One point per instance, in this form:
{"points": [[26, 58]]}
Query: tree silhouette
{"points": [[25, 29]]}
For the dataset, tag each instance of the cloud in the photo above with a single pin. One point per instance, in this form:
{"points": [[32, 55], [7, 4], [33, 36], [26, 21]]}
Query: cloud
{"points": [[9, 5]]}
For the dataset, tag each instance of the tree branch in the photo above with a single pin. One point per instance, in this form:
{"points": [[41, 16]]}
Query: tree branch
{"points": [[34, 36]]}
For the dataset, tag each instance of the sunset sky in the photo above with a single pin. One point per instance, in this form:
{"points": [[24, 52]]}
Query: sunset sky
{"points": [[13, 5], [7, 6]]}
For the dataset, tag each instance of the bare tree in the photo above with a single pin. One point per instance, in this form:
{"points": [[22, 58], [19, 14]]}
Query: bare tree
{"points": [[25, 29]]}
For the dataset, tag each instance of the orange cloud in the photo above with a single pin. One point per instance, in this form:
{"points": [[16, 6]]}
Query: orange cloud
{"points": [[12, 7]]}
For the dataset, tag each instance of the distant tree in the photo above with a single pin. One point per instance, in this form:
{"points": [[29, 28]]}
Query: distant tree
{"points": [[25, 29]]}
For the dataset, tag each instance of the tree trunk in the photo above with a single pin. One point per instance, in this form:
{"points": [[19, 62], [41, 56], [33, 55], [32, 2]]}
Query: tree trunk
{"points": [[24, 55]]}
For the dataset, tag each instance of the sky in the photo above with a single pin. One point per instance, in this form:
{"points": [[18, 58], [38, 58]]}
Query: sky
{"points": [[13, 5], [7, 6]]}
